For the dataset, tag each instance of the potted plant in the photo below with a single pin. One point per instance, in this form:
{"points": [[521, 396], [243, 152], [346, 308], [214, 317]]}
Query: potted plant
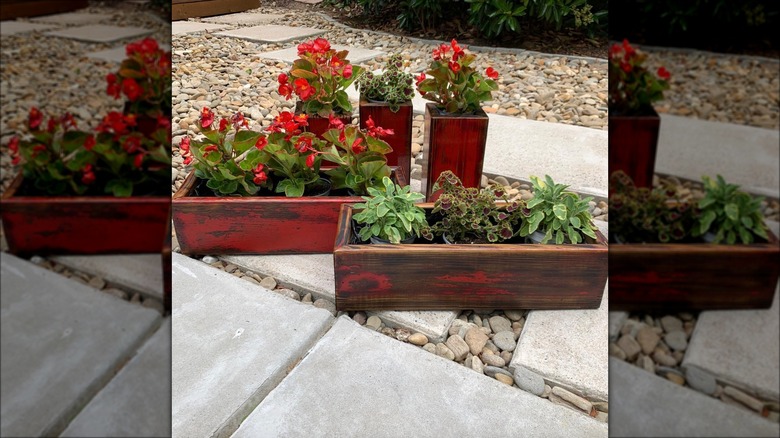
{"points": [[390, 215], [245, 180], [494, 271], [319, 78], [633, 122], [386, 100], [455, 124], [83, 192], [662, 260], [555, 212]]}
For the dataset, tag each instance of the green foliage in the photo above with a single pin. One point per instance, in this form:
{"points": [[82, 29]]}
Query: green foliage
{"points": [[422, 14], [394, 86], [390, 214], [471, 214], [360, 157], [632, 87], [729, 213], [560, 214]]}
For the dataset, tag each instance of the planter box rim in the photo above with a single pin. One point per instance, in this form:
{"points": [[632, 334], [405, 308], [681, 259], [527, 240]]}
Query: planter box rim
{"points": [[434, 111], [646, 113], [365, 101]]}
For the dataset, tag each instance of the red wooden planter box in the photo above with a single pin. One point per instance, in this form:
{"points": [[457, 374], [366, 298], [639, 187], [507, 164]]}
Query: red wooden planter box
{"points": [[480, 277], [255, 224], [83, 224], [693, 276], [633, 141], [453, 142], [400, 122]]}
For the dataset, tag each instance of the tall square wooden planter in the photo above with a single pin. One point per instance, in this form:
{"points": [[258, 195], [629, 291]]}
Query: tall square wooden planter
{"points": [[462, 276], [45, 225], [400, 122], [693, 276], [633, 141], [256, 224], [453, 142]]}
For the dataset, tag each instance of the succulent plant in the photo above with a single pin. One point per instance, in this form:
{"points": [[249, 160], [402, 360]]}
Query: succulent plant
{"points": [[394, 86], [559, 213], [729, 213], [391, 214]]}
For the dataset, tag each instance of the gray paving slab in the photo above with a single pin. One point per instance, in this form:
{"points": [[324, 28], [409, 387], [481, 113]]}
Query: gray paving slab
{"points": [[100, 33], [243, 18], [137, 272], [61, 341], [568, 348], [739, 347], [72, 18], [117, 54], [272, 33], [137, 402], [643, 404], [14, 27], [356, 56], [359, 382], [233, 342], [182, 27], [744, 155], [314, 273]]}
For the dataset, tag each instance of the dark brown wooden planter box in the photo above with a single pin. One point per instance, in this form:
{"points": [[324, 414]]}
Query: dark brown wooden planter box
{"points": [[453, 142], [633, 141], [32, 8], [693, 276], [83, 224], [256, 224], [481, 277], [184, 9], [400, 122]]}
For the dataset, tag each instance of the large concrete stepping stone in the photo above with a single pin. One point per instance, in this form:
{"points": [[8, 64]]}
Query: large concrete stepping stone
{"points": [[355, 379], [739, 347], [137, 402], [61, 341], [233, 342], [645, 405], [314, 274], [72, 18], [136, 272], [272, 33], [356, 56], [568, 348], [15, 27], [182, 27], [100, 33], [243, 18]]}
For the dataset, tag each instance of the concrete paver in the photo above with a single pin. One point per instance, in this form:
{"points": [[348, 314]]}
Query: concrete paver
{"points": [[243, 18], [13, 27], [355, 381], [356, 56], [181, 27], [137, 272], [233, 342], [739, 347], [100, 33], [272, 33], [643, 404], [72, 18], [568, 348], [61, 342], [137, 402]]}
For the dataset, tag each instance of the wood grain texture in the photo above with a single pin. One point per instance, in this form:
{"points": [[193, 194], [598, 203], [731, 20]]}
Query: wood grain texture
{"points": [[453, 142], [256, 224], [400, 122], [633, 141], [32, 8], [184, 9], [693, 276], [482, 277], [83, 225]]}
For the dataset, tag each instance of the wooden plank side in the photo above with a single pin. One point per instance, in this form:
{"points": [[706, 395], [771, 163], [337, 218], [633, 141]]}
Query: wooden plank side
{"points": [[33, 8], [208, 8], [401, 124]]}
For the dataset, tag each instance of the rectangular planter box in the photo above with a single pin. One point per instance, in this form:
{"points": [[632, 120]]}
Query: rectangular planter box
{"points": [[480, 277], [453, 142], [83, 224], [400, 122], [633, 141], [693, 276], [256, 225]]}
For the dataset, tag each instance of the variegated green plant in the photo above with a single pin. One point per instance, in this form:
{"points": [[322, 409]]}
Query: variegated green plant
{"points": [[391, 214], [561, 214], [729, 213]]}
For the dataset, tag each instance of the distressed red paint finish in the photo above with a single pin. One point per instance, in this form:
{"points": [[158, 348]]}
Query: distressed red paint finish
{"points": [[257, 224], [83, 224], [446, 277], [693, 276], [400, 122], [453, 142], [633, 141]]}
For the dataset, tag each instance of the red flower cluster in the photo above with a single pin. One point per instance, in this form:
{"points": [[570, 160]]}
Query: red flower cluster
{"points": [[186, 153], [132, 144], [113, 89], [284, 87], [238, 121], [89, 142], [261, 142], [13, 145], [376, 131], [318, 46], [132, 90], [631, 85], [491, 73], [116, 123], [357, 147], [206, 117], [34, 119], [88, 176], [260, 176], [143, 47], [289, 124]]}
